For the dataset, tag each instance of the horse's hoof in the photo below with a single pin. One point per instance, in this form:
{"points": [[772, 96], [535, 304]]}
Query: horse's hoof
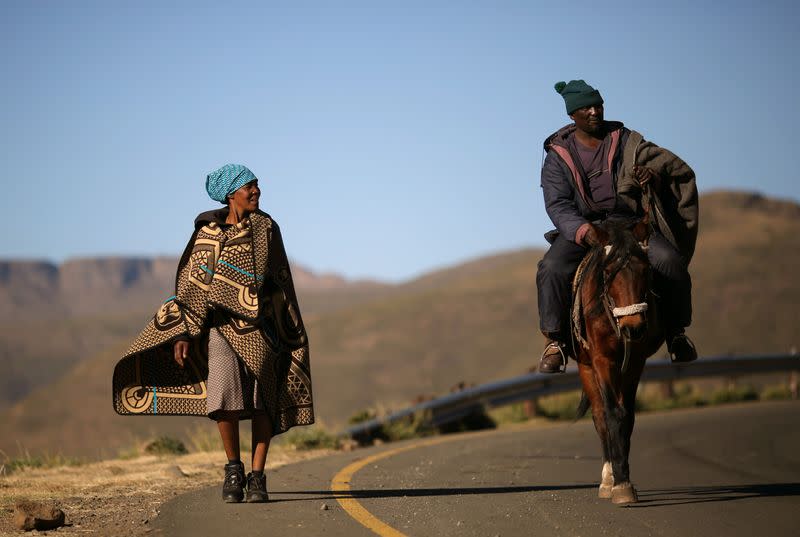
{"points": [[623, 494], [606, 481]]}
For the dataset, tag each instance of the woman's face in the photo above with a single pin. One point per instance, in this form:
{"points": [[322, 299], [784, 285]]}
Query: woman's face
{"points": [[246, 198]]}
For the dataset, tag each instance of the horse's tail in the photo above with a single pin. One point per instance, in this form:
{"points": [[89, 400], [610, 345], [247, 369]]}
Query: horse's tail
{"points": [[583, 406]]}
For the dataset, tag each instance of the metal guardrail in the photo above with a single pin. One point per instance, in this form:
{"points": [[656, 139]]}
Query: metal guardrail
{"points": [[455, 406]]}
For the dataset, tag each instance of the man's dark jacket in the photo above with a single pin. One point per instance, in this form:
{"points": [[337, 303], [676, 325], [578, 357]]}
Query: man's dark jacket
{"points": [[673, 211]]}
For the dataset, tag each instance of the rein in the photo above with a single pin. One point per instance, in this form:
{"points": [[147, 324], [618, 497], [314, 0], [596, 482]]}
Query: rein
{"points": [[614, 312]]}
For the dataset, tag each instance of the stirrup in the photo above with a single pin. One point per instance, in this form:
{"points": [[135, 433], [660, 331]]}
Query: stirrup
{"points": [[564, 359], [673, 356]]}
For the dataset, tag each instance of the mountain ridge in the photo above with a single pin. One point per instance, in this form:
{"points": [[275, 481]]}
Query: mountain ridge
{"points": [[473, 322], [82, 286]]}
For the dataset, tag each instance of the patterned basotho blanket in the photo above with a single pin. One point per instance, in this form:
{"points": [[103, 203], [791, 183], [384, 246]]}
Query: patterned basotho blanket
{"points": [[237, 279]]}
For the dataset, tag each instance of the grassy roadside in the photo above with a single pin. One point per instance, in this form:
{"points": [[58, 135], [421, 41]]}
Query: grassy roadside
{"points": [[121, 496], [651, 397]]}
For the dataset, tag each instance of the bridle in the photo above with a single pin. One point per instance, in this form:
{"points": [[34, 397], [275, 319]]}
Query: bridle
{"points": [[615, 312]]}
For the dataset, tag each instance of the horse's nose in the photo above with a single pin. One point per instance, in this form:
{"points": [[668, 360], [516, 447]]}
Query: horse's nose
{"points": [[635, 331]]}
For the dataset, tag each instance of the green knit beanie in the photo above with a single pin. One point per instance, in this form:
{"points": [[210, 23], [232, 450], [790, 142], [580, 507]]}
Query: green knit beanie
{"points": [[578, 94]]}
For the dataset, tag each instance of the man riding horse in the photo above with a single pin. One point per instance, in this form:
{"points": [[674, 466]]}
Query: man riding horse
{"points": [[598, 170]]}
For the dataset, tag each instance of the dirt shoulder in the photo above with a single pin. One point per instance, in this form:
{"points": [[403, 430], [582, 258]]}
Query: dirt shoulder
{"points": [[120, 497]]}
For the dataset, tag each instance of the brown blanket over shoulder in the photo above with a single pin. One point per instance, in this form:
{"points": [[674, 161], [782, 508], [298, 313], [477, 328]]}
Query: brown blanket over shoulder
{"points": [[676, 204], [236, 279]]}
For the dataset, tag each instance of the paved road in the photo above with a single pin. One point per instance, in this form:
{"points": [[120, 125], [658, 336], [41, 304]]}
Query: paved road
{"points": [[732, 470]]}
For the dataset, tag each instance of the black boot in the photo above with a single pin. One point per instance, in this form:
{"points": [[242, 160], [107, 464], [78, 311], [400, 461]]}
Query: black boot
{"points": [[233, 486], [257, 487], [681, 348]]}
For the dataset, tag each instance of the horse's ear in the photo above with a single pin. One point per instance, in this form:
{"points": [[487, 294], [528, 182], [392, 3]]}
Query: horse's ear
{"points": [[642, 231]]}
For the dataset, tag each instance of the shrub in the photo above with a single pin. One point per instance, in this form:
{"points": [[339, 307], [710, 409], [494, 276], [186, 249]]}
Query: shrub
{"points": [[203, 438], [413, 426], [166, 445], [362, 416], [776, 393], [476, 420], [514, 413], [26, 460], [559, 407], [311, 438], [733, 395], [684, 395]]}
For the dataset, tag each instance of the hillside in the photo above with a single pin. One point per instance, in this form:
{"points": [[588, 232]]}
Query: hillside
{"points": [[52, 317], [39, 289], [745, 275], [31, 290], [479, 322], [475, 322]]}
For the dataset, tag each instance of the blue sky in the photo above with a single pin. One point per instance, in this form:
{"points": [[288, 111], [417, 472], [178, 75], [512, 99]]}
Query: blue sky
{"points": [[390, 138]]}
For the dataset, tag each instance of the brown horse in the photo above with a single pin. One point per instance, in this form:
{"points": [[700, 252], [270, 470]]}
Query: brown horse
{"points": [[616, 330]]}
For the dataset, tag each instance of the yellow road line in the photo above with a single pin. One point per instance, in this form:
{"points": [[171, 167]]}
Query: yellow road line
{"points": [[341, 483]]}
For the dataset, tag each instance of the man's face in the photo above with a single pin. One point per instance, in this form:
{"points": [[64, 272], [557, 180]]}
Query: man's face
{"points": [[589, 119]]}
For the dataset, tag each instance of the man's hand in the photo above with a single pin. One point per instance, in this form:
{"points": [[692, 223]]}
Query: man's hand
{"points": [[181, 351], [590, 238], [646, 175]]}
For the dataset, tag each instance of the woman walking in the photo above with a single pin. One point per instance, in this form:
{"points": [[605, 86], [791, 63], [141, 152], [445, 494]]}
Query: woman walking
{"points": [[230, 344]]}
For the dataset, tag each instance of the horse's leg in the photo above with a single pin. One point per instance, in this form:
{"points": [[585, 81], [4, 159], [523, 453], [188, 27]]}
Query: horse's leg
{"points": [[592, 391], [625, 492], [618, 425]]}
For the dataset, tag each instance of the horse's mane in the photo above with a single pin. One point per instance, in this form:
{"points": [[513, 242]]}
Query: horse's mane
{"points": [[624, 246]]}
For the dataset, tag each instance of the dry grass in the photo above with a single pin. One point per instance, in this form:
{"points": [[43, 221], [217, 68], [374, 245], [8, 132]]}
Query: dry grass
{"points": [[121, 496]]}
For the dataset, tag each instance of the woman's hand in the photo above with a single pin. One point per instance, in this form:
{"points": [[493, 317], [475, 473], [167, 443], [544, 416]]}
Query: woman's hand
{"points": [[181, 351]]}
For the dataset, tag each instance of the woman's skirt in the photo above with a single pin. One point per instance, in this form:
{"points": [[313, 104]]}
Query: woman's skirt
{"points": [[231, 388]]}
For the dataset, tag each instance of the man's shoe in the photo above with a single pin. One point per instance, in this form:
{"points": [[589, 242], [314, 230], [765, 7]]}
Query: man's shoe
{"points": [[554, 359], [233, 486], [681, 349], [256, 488]]}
